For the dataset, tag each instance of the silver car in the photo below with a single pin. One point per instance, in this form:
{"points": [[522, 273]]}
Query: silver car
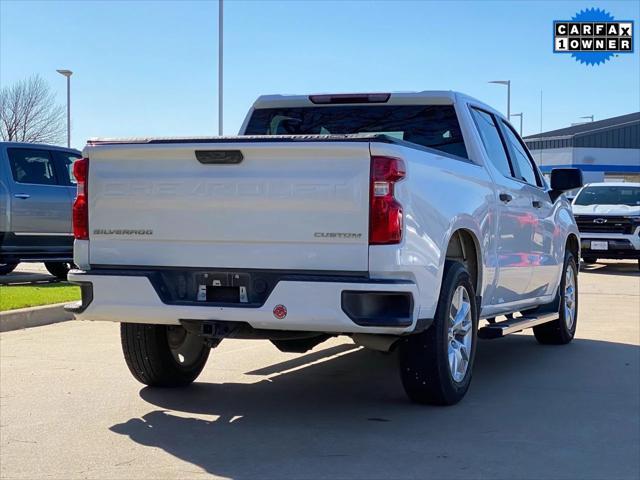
{"points": [[37, 189]]}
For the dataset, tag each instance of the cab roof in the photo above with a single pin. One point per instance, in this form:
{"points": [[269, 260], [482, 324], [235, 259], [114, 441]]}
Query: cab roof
{"points": [[427, 97], [38, 145]]}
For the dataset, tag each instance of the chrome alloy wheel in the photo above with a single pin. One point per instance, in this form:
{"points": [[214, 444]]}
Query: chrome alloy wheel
{"points": [[460, 334], [569, 298], [185, 347]]}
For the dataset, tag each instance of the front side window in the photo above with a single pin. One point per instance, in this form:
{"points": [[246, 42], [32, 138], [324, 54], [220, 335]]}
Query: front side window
{"points": [[32, 166], [433, 126], [523, 165], [609, 195], [491, 140]]}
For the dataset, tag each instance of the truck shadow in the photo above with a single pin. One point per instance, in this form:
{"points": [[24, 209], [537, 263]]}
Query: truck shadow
{"points": [[628, 268], [532, 411]]}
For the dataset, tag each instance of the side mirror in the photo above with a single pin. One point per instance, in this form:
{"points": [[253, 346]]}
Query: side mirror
{"points": [[564, 179]]}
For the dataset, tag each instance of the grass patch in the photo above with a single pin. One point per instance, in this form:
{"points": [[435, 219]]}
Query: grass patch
{"points": [[22, 296]]}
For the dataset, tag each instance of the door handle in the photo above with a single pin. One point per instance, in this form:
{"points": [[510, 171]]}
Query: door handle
{"points": [[23, 196], [536, 204], [505, 197]]}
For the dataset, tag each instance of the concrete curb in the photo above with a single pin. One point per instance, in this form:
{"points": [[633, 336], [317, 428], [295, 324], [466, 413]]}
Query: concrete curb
{"points": [[34, 317]]}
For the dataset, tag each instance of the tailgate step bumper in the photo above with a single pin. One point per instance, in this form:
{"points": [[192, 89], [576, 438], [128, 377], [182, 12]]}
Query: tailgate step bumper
{"points": [[309, 303]]}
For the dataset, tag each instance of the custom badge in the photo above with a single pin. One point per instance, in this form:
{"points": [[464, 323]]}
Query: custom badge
{"points": [[593, 36]]}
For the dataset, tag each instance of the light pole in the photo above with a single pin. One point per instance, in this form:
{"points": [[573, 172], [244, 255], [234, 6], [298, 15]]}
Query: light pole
{"points": [[508, 84], [220, 54], [518, 115], [586, 117], [68, 73]]}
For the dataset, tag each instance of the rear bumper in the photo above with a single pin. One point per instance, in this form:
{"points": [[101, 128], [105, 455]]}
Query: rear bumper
{"points": [[326, 304]]}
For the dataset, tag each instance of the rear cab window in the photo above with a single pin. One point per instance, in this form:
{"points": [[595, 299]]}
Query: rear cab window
{"points": [[432, 126], [64, 163]]}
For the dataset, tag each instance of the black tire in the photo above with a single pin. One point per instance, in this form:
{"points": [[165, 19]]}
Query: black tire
{"points": [[561, 332], [151, 360], [589, 260], [424, 364], [6, 268], [58, 269]]}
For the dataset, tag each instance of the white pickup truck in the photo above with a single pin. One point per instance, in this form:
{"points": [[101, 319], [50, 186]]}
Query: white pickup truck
{"points": [[401, 220]]}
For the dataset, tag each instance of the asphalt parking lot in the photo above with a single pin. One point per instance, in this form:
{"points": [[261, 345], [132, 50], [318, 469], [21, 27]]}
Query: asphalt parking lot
{"points": [[70, 409]]}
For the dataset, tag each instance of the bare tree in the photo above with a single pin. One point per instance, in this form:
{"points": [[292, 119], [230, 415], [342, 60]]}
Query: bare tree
{"points": [[28, 113]]}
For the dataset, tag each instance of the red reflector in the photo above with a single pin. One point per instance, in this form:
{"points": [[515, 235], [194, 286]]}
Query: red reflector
{"points": [[80, 215], [280, 311], [385, 212]]}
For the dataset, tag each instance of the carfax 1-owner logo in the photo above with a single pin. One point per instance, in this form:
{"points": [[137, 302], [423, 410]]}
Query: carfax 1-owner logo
{"points": [[593, 36]]}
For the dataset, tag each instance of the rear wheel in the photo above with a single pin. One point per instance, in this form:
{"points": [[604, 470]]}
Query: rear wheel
{"points": [[163, 355], [58, 269], [562, 330], [6, 268], [436, 365]]}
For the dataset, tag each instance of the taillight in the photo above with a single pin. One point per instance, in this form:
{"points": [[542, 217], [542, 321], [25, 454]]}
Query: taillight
{"points": [[80, 204], [385, 212]]}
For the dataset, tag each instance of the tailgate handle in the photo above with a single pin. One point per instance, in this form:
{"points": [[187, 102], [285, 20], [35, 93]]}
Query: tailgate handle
{"points": [[219, 157]]}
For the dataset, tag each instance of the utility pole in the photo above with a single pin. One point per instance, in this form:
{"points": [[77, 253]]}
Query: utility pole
{"points": [[220, 63]]}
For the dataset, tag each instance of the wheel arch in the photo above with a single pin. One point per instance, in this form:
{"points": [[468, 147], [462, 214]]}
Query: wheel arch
{"points": [[463, 246], [573, 245]]}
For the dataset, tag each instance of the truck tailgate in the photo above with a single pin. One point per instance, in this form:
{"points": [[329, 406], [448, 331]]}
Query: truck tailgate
{"points": [[297, 206]]}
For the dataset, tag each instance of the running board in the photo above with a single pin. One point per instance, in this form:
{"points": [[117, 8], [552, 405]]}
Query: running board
{"points": [[513, 325]]}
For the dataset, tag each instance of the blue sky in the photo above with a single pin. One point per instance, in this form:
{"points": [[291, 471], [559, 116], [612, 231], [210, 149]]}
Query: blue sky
{"points": [[149, 68]]}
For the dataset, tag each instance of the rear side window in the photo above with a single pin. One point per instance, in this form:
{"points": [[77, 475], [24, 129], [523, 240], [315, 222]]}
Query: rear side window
{"points": [[433, 126], [491, 140], [32, 166], [523, 164], [65, 166]]}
